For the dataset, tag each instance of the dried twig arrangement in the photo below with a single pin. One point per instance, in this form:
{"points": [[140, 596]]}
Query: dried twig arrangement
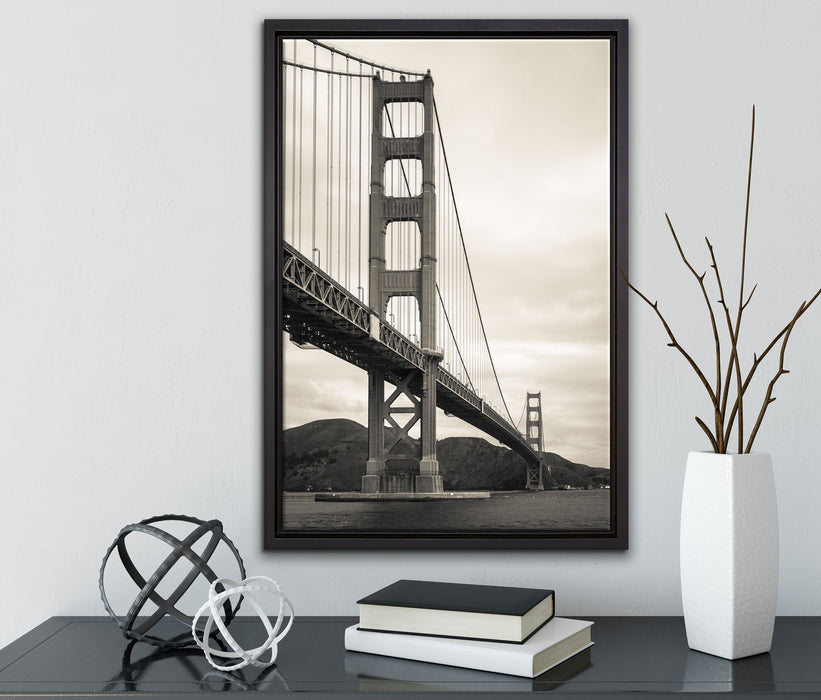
{"points": [[724, 420]]}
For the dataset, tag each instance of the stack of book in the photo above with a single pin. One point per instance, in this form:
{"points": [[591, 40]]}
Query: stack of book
{"points": [[490, 628]]}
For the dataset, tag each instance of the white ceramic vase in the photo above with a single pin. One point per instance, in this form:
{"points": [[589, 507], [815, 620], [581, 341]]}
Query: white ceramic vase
{"points": [[729, 553]]}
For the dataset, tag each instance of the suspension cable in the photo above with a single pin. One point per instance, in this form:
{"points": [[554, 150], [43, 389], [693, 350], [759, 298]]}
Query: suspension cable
{"points": [[519, 422], [455, 343], [318, 69], [467, 262], [364, 61]]}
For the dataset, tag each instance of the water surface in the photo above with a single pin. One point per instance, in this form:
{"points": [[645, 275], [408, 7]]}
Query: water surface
{"points": [[504, 510]]}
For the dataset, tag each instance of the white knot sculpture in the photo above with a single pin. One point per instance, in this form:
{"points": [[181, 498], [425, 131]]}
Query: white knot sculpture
{"points": [[245, 588]]}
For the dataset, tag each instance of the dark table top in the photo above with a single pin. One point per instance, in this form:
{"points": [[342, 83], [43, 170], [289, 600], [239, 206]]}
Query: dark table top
{"points": [[89, 656]]}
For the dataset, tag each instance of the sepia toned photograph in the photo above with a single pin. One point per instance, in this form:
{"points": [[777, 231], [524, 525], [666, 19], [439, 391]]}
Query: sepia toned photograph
{"points": [[442, 339]]}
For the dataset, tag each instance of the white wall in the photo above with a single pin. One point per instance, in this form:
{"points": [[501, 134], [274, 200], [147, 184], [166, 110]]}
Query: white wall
{"points": [[130, 305]]}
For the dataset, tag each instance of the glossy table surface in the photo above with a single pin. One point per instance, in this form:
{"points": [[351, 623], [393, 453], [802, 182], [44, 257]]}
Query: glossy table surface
{"points": [[89, 656]]}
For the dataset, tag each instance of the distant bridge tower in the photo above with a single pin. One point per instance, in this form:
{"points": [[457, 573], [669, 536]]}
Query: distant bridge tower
{"points": [[398, 465], [535, 439]]}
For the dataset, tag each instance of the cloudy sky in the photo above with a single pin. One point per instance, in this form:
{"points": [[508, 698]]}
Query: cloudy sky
{"points": [[526, 128]]}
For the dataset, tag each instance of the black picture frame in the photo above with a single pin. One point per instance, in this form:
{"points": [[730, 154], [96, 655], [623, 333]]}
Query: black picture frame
{"points": [[275, 537]]}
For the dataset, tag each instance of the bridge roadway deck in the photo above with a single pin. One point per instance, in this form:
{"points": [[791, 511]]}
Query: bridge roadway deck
{"points": [[318, 310]]}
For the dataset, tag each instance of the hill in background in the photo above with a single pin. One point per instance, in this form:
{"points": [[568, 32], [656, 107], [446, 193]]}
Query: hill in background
{"points": [[331, 455]]}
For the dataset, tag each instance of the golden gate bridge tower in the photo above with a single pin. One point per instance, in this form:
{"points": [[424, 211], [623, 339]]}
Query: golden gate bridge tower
{"points": [[534, 432]]}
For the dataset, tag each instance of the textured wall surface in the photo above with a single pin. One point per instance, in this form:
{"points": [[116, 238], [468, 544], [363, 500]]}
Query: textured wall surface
{"points": [[130, 306]]}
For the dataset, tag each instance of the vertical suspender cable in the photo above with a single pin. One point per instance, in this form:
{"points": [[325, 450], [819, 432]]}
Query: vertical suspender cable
{"points": [[442, 240], [457, 289], [340, 227], [441, 270], [332, 191], [457, 285], [410, 243], [446, 256], [299, 169], [359, 191], [349, 181], [387, 176], [313, 168], [400, 244], [348, 184], [468, 313], [416, 241], [291, 226], [347, 257], [329, 169], [285, 126], [339, 183], [370, 155], [457, 338], [453, 307]]}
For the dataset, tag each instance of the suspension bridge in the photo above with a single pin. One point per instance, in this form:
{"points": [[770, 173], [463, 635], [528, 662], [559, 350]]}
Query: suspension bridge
{"points": [[374, 265]]}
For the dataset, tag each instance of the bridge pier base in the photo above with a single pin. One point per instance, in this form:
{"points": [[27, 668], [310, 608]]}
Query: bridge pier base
{"points": [[370, 482], [428, 483]]}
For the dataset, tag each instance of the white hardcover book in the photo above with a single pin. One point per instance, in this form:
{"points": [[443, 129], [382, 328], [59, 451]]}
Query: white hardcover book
{"points": [[557, 641]]}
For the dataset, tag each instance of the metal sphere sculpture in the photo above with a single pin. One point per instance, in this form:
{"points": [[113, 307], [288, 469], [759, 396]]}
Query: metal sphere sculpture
{"points": [[220, 591], [138, 628]]}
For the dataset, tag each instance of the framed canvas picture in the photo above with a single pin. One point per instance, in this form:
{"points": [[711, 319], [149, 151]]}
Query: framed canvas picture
{"points": [[445, 330]]}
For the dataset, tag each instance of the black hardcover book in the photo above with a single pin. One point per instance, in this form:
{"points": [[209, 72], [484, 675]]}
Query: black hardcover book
{"points": [[471, 611]]}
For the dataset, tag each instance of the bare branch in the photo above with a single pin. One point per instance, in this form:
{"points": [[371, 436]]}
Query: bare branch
{"points": [[746, 220], [673, 342], [703, 426], [725, 434], [700, 280], [744, 305], [757, 359], [769, 398], [714, 265], [741, 305], [739, 392]]}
